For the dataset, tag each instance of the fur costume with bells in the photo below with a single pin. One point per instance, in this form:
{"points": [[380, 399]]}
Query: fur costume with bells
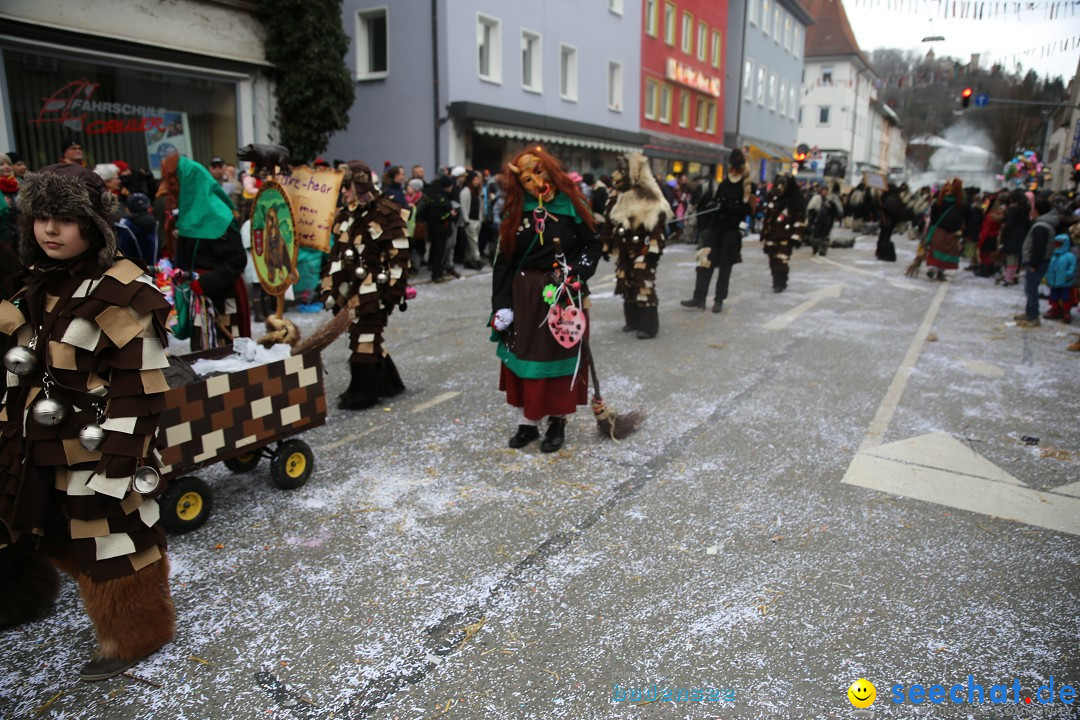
{"points": [[635, 224], [783, 227], [95, 327], [365, 276]]}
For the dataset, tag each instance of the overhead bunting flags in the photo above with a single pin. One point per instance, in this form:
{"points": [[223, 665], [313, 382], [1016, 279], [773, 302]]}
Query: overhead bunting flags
{"points": [[977, 9]]}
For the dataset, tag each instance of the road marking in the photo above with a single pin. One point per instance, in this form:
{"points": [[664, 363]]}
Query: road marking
{"points": [[878, 276], [782, 321], [1070, 489], [437, 400], [346, 440], [984, 369], [939, 469], [876, 433]]}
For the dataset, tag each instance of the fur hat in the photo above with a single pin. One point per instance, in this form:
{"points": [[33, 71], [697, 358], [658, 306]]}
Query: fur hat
{"points": [[66, 190]]}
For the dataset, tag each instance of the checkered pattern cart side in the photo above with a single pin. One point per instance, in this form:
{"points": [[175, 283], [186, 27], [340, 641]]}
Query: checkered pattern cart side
{"points": [[229, 415]]}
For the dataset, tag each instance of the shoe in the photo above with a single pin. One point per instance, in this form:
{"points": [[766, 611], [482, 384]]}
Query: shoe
{"points": [[1075, 347], [1053, 315], [1067, 319], [452, 272], [1020, 317], [629, 328], [717, 307], [645, 335], [555, 435], [105, 668], [699, 304], [439, 279], [1028, 323], [779, 288], [525, 434]]}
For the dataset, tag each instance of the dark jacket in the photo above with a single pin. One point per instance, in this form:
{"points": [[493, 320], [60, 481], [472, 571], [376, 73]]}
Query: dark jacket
{"points": [[1037, 247], [1015, 229], [727, 204], [219, 262]]}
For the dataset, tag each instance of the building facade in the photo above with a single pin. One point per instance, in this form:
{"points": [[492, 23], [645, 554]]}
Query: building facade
{"points": [[472, 81], [838, 90], [104, 75], [764, 72], [682, 84]]}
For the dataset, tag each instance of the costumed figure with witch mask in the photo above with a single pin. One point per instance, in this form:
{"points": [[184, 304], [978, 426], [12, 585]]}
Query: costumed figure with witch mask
{"points": [[365, 275], [205, 244], [635, 229], [83, 342], [548, 249]]}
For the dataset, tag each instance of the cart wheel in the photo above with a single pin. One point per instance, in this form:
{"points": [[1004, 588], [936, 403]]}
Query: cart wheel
{"points": [[292, 464], [185, 505], [244, 463]]}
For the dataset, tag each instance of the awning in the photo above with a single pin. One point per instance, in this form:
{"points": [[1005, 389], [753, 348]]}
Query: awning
{"points": [[767, 152], [672, 147], [551, 138]]}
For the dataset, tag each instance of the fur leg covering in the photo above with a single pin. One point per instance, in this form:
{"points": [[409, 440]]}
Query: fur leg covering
{"points": [[132, 615], [648, 322], [29, 584]]}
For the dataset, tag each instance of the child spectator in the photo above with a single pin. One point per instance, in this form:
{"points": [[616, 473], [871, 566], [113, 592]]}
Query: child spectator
{"points": [[1059, 276]]}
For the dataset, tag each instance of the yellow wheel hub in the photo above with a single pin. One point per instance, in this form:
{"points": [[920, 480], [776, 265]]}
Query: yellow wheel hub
{"points": [[295, 465], [245, 458], [189, 506]]}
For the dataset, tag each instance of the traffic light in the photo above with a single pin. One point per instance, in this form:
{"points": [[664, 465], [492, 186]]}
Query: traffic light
{"points": [[965, 97], [799, 156]]}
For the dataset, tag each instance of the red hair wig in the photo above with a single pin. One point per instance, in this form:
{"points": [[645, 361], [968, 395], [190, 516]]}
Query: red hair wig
{"points": [[954, 189], [515, 195]]}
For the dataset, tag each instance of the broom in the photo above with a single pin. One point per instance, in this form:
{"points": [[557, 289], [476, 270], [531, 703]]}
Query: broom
{"points": [[329, 331], [609, 423]]}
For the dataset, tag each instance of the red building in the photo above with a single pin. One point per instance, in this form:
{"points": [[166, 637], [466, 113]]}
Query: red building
{"points": [[682, 93]]}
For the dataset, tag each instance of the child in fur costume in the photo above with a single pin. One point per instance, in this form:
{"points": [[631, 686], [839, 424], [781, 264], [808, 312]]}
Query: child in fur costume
{"points": [[84, 340], [538, 373], [635, 229], [366, 274]]}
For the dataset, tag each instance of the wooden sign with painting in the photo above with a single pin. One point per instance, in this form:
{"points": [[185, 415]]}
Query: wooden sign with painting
{"points": [[273, 240]]}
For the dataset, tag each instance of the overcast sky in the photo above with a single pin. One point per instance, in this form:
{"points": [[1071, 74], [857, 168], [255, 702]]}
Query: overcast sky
{"points": [[996, 39]]}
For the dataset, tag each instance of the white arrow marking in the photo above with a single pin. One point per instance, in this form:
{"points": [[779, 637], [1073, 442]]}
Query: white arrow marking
{"points": [[781, 322]]}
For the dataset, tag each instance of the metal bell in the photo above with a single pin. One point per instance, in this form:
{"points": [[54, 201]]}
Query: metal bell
{"points": [[349, 255], [637, 238], [329, 303], [20, 360], [360, 272], [49, 412], [621, 231], [382, 278], [145, 480], [92, 436]]}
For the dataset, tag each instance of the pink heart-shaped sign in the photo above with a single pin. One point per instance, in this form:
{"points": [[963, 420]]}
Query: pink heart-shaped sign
{"points": [[567, 325]]}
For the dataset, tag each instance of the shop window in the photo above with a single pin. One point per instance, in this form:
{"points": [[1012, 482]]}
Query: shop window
{"points": [[531, 62], [651, 17], [372, 57], [651, 93], [116, 113], [489, 48], [669, 23], [826, 75], [568, 72], [715, 54], [664, 106], [688, 33], [614, 85]]}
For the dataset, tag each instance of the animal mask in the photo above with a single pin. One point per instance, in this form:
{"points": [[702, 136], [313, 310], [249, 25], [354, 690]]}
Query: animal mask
{"points": [[533, 177], [363, 181], [620, 176]]}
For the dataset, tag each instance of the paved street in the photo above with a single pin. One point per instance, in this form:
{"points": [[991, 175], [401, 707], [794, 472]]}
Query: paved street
{"points": [[832, 483]]}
